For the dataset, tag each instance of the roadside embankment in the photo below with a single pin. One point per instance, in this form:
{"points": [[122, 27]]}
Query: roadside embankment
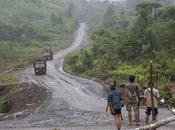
{"points": [[19, 100]]}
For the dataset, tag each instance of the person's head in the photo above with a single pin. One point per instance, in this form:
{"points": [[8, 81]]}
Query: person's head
{"points": [[112, 87], [150, 84], [132, 78]]}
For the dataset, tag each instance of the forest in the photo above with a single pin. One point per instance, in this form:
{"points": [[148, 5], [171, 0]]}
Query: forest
{"points": [[27, 27], [124, 42]]}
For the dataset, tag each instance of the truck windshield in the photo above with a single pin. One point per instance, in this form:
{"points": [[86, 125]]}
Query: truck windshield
{"points": [[46, 53], [39, 64]]}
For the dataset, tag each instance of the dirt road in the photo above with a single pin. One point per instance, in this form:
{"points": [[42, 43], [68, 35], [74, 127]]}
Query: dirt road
{"points": [[75, 101]]}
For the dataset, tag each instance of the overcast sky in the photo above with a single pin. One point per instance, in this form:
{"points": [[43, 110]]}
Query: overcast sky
{"points": [[109, 0], [113, 0]]}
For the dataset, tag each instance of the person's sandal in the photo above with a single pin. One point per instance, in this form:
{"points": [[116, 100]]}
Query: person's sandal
{"points": [[129, 123], [137, 124]]}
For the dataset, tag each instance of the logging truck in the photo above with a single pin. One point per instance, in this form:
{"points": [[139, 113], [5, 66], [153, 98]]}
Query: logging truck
{"points": [[48, 54], [39, 67]]}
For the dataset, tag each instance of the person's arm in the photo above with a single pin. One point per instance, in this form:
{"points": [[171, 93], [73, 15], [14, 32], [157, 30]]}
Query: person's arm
{"points": [[144, 100], [158, 94], [138, 93], [108, 103], [125, 95], [121, 97], [121, 100]]}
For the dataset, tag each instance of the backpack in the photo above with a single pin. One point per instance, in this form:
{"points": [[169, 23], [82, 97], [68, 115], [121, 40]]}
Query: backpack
{"points": [[116, 101], [132, 94]]}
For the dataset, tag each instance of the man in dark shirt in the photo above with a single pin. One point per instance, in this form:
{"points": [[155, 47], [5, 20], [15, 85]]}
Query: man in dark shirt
{"points": [[115, 104]]}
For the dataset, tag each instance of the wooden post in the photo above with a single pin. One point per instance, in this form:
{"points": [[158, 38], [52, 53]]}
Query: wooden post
{"points": [[152, 97], [156, 80]]}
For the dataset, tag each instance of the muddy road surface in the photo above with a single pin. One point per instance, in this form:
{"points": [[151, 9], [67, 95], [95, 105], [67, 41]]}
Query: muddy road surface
{"points": [[75, 102], [73, 98]]}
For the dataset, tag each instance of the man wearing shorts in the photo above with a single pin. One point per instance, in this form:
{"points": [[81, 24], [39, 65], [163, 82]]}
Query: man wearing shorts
{"points": [[148, 103], [115, 104], [132, 100]]}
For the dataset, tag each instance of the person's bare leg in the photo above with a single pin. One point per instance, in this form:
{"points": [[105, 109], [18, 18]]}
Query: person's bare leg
{"points": [[155, 118], [146, 119], [136, 113], [121, 117], [129, 116], [118, 121], [135, 119], [136, 116]]}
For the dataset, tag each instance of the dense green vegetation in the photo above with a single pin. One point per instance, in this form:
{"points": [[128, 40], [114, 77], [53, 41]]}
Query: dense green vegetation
{"points": [[165, 92], [27, 27], [124, 44]]}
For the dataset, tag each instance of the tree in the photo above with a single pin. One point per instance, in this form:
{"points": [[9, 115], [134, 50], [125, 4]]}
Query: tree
{"points": [[70, 9], [56, 19], [157, 124], [86, 59], [110, 17]]}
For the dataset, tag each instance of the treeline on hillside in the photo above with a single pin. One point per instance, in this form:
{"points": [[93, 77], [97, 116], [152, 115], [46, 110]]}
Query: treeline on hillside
{"points": [[29, 26], [32, 16], [131, 4], [125, 42]]}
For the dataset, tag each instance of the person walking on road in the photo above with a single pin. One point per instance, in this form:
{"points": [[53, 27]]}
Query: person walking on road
{"points": [[148, 103], [115, 104], [132, 99], [121, 88]]}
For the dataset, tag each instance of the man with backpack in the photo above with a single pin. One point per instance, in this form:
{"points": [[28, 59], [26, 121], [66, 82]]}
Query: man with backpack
{"points": [[115, 104], [132, 99]]}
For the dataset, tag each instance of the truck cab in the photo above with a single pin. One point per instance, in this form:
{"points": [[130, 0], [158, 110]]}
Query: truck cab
{"points": [[48, 54], [39, 67]]}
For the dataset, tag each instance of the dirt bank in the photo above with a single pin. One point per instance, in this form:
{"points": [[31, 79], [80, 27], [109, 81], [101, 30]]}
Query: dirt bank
{"points": [[22, 98]]}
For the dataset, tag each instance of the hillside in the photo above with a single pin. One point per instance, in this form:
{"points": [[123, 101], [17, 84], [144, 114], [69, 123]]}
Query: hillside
{"points": [[29, 26], [124, 44]]}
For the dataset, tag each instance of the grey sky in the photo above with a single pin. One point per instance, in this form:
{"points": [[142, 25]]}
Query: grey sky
{"points": [[115, 0], [109, 0]]}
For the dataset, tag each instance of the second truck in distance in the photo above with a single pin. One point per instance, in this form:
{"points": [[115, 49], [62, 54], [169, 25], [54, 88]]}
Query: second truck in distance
{"points": [[48, 54]]}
